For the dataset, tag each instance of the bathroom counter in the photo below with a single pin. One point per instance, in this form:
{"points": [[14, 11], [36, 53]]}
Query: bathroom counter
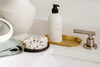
{"points": [[20, 60], [57, 56], [48, 58]]}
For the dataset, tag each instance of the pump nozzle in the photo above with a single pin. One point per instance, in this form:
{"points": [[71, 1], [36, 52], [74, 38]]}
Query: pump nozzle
{"points": [[55, 5], [55, 9]]}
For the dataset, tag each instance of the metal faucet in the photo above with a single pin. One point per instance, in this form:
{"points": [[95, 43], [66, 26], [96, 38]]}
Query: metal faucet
{"points": [[90, 40]]}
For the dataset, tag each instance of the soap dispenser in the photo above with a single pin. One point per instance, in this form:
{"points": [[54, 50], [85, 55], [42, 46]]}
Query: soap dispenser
{"points": [[55, 25]]}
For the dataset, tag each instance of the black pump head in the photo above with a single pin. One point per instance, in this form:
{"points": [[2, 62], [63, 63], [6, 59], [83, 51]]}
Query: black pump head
{"points": [[55, 9]]}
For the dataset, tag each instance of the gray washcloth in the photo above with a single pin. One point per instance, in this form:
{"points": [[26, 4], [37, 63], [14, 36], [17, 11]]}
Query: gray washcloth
{"points": [[10, 47]]}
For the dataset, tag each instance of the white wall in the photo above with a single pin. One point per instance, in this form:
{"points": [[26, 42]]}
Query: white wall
{"points": [[85, 12]]}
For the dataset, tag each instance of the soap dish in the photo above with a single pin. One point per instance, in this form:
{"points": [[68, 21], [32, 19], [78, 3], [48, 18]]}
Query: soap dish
{"points": [[69, 41], [33, 42], [36, 50]]}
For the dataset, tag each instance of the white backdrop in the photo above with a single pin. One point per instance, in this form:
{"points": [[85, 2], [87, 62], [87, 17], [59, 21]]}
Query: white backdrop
{"points": [[85, 12]]}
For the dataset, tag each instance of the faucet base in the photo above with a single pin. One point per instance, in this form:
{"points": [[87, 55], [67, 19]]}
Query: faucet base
{"points": [[90, 48]]}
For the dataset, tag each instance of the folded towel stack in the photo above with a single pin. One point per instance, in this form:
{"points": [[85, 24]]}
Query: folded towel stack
{"points": [[10, 47]]}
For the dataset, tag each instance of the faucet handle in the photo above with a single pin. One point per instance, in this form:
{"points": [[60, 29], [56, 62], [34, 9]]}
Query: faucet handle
{"points": [[90, 40], [84, 32]]}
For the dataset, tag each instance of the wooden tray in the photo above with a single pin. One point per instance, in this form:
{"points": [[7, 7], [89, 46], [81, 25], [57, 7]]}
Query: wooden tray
{"points": [[69, 41]]}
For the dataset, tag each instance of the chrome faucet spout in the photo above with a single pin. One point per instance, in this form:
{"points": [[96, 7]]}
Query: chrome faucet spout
{"points": [[90, 40]]}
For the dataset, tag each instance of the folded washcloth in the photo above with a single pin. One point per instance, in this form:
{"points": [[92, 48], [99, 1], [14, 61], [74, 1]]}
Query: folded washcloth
{"points": [[10, 47]]}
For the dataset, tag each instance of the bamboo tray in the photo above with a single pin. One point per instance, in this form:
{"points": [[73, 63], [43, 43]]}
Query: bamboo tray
{"points": [[69, 41]]}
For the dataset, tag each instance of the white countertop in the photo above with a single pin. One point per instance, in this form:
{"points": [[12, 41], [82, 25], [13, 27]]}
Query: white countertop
{"points": [[57, 56], [48, 58], [21, 60]]}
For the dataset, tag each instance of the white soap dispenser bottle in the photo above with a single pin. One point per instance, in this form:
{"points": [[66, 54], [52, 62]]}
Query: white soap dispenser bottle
{"points": [[55, 25]]}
